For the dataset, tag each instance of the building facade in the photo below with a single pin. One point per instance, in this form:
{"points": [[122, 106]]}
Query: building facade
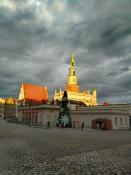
{"points": [[86, 97], [2, 101], [10, 109], [1, 111], [10, 112], [31, 94], [93, 117], [39, 115]]}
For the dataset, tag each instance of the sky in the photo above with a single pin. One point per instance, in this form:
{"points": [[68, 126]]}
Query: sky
{"points": [[37, 38]]}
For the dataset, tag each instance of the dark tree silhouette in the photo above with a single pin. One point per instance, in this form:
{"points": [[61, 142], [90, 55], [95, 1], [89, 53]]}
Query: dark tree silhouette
{"points": [[64, 119]]}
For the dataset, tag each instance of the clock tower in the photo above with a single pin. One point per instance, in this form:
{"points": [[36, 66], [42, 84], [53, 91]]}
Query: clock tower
{"points": [[72, 85]]}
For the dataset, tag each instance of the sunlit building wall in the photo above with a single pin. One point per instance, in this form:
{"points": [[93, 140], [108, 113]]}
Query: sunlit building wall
{"points": [[86, 97]]}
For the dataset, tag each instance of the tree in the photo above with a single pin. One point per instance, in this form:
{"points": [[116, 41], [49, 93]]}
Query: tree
{"points": [[64, 119]]}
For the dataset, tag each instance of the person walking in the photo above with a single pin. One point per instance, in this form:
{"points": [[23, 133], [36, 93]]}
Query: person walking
{"points": [[97, 125], [48, 124], [82, 126]]}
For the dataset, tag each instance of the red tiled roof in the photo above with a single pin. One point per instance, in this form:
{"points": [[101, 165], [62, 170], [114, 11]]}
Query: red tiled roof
{"points": [[35, 92]]}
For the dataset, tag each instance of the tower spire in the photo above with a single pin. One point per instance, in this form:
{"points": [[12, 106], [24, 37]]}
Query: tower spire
{"points": [[72, 60], [72, 85]]}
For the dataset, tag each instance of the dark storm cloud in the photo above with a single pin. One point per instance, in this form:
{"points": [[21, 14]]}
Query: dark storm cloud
{"points": [[37, 38]]}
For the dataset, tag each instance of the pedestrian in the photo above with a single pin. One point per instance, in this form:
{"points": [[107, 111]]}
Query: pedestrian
{"points": [[97, 125], [82, 126], [48, 124], [102, 126]]}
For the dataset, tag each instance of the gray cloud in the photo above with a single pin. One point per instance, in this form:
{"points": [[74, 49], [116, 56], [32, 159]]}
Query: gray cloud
{"points": [[38, 37]]}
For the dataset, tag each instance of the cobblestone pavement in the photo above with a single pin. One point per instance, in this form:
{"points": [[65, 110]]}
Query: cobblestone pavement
{"points": [[26, 150]]}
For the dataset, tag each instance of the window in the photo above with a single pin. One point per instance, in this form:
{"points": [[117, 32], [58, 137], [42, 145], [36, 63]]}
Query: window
{"points": [[74, 73], [121, 121], [126, 121], [115, 120]]}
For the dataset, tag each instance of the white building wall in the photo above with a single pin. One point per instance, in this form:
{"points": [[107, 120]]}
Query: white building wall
{"points": [[120, 122], [51, 114], [87, 118], [48, 115]]}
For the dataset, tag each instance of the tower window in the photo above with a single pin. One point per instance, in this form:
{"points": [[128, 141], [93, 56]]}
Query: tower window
{"points": [[74, 73]]}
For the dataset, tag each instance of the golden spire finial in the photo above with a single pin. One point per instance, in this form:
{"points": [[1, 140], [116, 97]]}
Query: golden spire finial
{"points": [[72, 60]]}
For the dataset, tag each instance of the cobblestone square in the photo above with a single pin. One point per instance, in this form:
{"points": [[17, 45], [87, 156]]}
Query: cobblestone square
{"points": [[25, 150]]}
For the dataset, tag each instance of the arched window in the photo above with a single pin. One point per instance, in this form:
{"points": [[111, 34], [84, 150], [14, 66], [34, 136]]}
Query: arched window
{"points": [[74, 73]]}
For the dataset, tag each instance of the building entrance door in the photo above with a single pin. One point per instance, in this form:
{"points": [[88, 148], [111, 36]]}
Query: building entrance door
{"points": [[102, 123]]}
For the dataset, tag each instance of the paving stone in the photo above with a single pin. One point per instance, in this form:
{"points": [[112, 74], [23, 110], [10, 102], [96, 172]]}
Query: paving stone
{"points": [[34, 151]]}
